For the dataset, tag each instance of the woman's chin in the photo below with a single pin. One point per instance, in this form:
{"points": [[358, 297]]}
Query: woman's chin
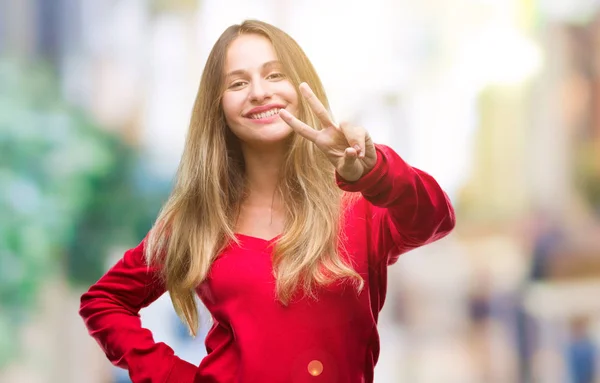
{"points": [[263, 134], [273, 133]]}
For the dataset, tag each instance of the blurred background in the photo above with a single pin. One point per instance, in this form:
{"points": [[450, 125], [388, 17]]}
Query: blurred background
{"points": [[498, 99]]}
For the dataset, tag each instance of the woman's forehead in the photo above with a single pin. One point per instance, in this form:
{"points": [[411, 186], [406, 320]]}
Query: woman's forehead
{"points": [[249, 52]]}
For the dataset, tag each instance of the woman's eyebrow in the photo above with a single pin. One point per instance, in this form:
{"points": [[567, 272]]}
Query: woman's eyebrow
{"points": [[268, 64]]}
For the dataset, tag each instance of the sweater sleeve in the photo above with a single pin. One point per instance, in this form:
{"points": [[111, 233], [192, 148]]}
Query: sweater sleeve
{"points": [[406, 207], [110, 310]]}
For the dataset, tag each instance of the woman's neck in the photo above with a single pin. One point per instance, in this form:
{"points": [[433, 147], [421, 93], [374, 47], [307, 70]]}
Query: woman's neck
{"points": [[261, 212], [263, 168]]}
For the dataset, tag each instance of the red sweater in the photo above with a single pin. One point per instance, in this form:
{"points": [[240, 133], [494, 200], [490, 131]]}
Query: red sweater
{"points": [[254, 339]]}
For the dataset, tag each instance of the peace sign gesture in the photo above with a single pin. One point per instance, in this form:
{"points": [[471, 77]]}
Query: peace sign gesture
{"points": [[348, 147]]}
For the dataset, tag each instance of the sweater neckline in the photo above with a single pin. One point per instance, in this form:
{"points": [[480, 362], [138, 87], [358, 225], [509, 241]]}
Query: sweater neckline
{"points": [[249, 241]]}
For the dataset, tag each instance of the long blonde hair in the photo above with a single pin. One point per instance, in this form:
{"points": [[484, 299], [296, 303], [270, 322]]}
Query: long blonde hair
{"points": [[197, 220]]}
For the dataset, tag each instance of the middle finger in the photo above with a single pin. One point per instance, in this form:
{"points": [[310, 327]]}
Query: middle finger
{"points": [[316, 105]]}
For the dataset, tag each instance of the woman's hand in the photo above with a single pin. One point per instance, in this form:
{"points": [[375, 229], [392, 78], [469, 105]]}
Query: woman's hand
{"points": [[348, 147]]}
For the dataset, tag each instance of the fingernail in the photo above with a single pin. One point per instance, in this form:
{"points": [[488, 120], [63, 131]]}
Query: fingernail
{"points": [[357, 148]]}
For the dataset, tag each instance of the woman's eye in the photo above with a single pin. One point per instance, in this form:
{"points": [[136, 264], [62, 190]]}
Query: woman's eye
{"points": [[276, 76], [236, 84]]}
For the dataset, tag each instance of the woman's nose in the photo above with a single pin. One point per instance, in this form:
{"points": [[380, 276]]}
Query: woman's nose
{"points": [[260, 91]]}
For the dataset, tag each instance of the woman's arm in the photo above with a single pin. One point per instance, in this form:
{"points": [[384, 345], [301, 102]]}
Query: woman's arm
{"points": [[408, 207], [110, 310]]}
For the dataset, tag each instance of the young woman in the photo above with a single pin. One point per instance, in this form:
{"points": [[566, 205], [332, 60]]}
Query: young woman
{"points": [[283, 223]]}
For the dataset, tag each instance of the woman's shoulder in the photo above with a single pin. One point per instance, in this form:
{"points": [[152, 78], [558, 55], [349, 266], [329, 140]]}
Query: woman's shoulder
{"points": [[354, 205], [356, 211]]}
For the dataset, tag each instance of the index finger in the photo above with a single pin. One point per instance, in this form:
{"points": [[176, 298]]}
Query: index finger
{"points": [[298, 126], [316, 105]]}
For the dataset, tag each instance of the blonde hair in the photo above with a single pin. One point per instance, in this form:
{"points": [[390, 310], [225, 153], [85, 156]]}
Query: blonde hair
{"points": [[197, 221]]}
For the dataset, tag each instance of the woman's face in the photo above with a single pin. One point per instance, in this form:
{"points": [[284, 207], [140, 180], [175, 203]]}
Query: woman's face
{"points": [[255, 90]]}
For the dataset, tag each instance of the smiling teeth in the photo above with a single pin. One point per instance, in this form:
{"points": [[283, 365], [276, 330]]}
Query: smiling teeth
{"points": [[266, 114]]}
